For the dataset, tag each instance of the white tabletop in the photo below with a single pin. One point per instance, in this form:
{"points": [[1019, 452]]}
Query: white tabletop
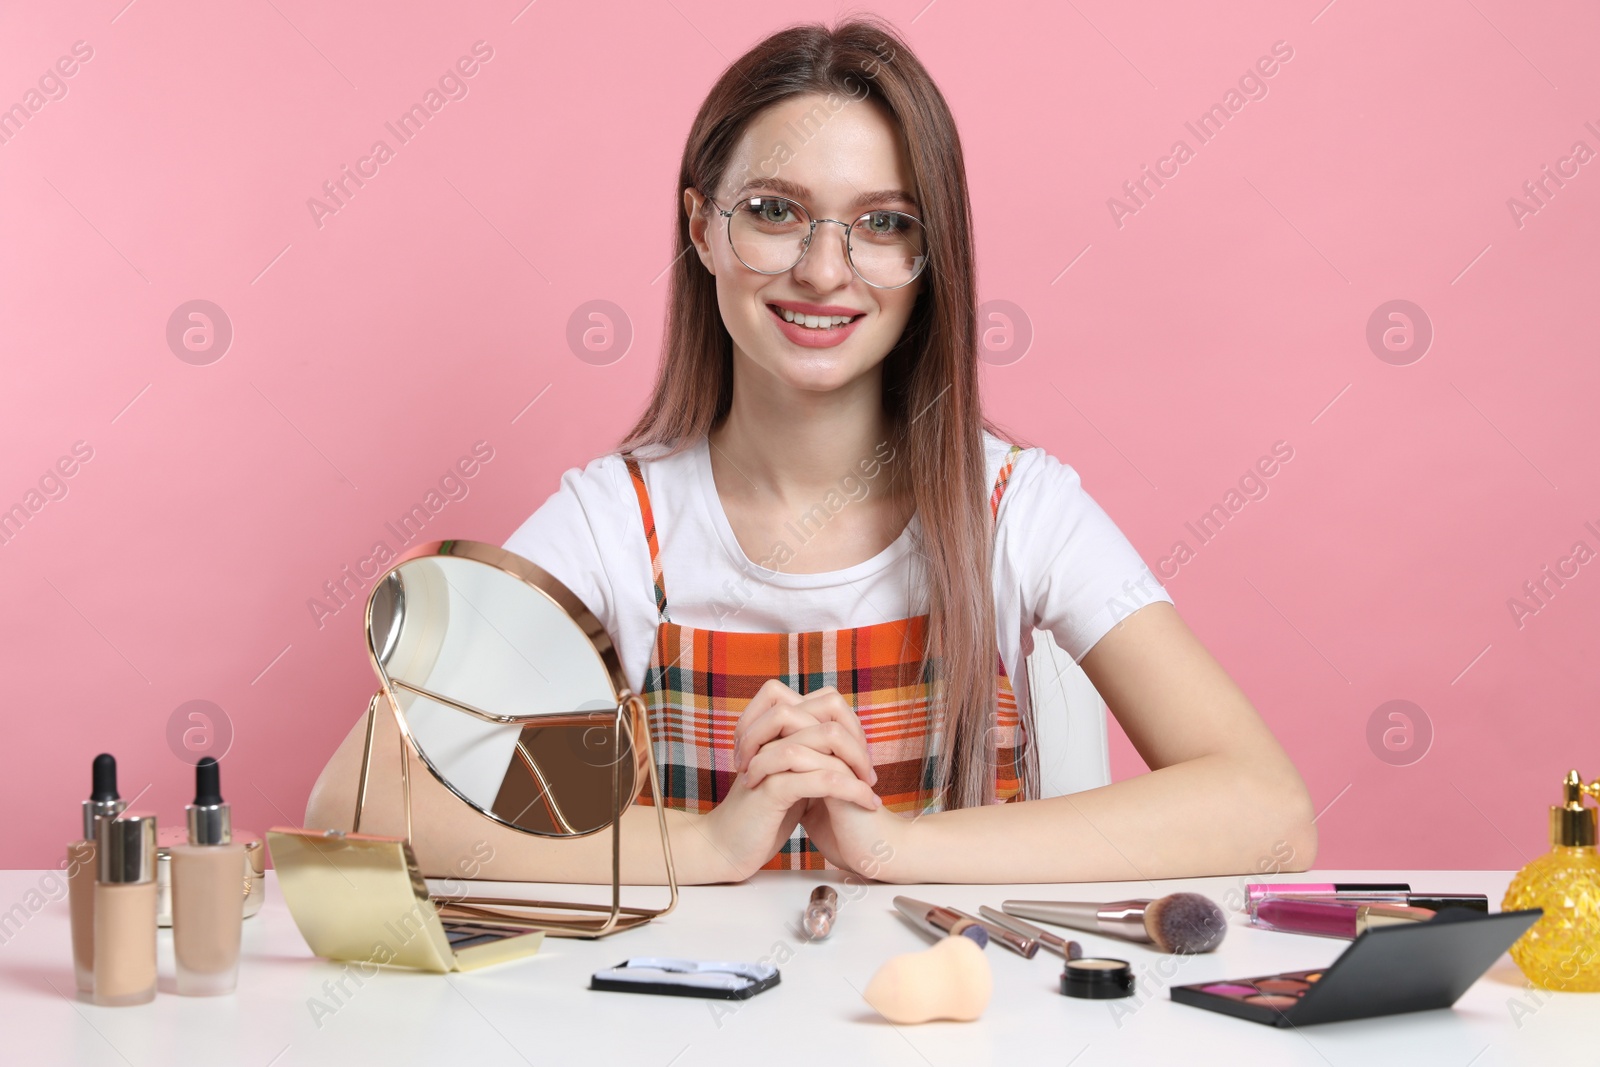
{"points": [[540, 1010]]}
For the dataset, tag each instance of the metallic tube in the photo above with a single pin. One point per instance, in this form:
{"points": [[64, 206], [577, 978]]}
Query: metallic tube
{"points": [[941, 922], [127, 851], [209, 824], [1067, 950], [1021, 944]]}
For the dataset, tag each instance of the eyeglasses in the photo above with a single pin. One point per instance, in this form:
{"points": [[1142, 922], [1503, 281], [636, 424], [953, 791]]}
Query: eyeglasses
{"points": [[770, 234]]}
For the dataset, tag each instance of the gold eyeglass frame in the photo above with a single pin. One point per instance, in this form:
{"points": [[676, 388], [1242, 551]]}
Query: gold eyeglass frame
{"points": [[629, 720]]}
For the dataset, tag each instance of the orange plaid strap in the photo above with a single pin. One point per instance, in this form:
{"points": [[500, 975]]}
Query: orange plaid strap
{"points": [[649, 517], [1001, 481]]}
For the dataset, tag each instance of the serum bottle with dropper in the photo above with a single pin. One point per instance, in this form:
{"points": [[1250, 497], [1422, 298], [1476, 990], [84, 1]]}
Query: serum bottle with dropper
{"points": [[206, 887], [83, 867], [125, 910]]}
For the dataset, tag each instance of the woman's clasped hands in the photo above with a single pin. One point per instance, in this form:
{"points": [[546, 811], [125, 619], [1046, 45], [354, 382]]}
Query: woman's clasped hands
{"points": [[803, 760]]}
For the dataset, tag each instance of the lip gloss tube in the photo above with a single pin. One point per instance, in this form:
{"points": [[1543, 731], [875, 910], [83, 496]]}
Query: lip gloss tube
{"points": [[1331, 918], [1431, 901], [821, 911], [1365, 890]]}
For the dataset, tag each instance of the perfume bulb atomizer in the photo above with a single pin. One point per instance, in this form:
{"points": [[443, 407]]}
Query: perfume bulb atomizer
{"points": [[1565, 883]]}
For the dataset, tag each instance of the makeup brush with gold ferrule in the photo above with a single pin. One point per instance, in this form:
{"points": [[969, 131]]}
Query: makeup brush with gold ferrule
{"points": [[1180, 922]]}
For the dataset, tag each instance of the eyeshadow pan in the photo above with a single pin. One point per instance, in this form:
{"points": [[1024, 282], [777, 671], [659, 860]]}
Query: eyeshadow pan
{"points": [[1272, 1000], [1229, 989], [1281, 985]]}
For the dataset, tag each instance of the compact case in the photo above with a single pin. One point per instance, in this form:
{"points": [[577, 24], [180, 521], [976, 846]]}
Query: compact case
{"points": [[686, 978], [1097, 978], [1385, 971]]}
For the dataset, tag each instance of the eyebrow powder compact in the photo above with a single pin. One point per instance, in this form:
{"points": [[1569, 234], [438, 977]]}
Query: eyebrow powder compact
{"points": [[1386, 971]]}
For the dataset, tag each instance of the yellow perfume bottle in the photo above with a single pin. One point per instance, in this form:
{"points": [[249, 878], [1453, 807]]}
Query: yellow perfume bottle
{"points": [[1562, 950]]}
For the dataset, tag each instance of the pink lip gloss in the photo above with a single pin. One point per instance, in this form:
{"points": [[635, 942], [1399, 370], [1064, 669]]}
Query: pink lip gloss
{"points": [[1330, 918], [1431, 901], [1364, 890]]}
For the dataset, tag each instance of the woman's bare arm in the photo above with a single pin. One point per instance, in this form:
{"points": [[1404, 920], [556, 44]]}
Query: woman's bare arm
{"points": [[1222, 796]]}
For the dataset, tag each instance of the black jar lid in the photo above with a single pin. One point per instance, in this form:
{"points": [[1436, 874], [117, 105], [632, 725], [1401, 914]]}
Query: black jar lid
{"points": [[1097, 978]]}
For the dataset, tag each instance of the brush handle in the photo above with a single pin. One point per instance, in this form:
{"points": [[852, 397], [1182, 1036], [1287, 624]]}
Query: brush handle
{"points": [[1067, 950], [940, 922], [1122, 918], [1023, 945]]}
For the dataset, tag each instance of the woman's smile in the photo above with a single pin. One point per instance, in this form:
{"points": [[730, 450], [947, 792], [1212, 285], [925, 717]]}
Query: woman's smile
{"points": [[813, 325]]}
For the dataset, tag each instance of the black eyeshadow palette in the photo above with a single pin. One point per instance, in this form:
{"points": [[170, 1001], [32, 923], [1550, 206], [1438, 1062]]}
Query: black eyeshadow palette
{"points": [[1385, 971]]}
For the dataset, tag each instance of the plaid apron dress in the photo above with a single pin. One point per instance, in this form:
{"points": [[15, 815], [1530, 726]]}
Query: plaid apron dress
{"points": [[698, 682]]}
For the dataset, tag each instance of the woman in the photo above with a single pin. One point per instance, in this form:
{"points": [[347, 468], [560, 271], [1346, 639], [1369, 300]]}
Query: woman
{"points": [[854, 555]]}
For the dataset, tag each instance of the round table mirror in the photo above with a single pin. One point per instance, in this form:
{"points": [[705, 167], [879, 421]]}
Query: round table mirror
{"points": [[507, 688]]}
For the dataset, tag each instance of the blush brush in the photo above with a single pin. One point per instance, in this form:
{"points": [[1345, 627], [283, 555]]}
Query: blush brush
{"points": [[1180, 922]]}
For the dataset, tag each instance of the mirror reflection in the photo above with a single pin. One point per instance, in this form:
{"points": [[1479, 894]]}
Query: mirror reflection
{"points": [[504, 695]]}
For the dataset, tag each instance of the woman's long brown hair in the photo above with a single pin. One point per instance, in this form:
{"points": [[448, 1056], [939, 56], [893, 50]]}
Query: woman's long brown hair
{"points": [[930, 377]]}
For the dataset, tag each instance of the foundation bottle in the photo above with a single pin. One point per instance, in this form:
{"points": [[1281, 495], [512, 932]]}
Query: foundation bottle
{"points": [[125, 910], [207, 890], [83, 868], [1559, 951]]}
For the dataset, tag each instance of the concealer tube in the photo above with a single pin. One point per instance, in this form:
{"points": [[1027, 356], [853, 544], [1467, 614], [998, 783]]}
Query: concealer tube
{"points": [[83, 869], [207, 910], [125, 910]]}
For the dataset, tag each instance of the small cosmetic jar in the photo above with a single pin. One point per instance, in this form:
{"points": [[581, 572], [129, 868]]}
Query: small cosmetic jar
{"points": [[1097, 978], [252, 887]]}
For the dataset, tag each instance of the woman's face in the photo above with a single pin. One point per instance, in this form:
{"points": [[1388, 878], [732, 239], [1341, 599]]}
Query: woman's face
{"points": [[838, 164]]}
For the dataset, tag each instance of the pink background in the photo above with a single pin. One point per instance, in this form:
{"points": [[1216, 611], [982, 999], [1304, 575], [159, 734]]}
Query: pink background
{"points": [[1229, 312]]}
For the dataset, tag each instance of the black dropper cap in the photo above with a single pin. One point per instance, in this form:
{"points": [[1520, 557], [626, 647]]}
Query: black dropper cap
{"points": [[207, 782], [105, 778], [103, 798], [209, 820]]}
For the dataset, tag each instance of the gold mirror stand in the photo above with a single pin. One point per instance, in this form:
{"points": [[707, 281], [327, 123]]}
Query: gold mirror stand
{"points": [[604, 920]]}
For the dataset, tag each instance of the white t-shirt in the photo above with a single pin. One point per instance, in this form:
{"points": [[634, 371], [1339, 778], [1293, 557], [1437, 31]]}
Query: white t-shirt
{"points": [[1060, 563]]}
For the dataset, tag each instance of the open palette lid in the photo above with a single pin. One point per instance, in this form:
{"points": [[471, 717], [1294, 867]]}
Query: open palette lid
{"points": [[361, 897], [1385, 971]]}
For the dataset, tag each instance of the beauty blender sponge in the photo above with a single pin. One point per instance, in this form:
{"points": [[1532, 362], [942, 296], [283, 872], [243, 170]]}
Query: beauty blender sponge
{"points": [[950, 980]]}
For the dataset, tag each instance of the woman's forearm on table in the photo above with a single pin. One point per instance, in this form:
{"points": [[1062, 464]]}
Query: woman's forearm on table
{"points": [[1207, 816]]}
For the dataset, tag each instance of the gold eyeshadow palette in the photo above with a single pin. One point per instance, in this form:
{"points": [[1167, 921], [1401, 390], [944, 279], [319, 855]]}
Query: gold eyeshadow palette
{"points": [[1385, 971]]}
